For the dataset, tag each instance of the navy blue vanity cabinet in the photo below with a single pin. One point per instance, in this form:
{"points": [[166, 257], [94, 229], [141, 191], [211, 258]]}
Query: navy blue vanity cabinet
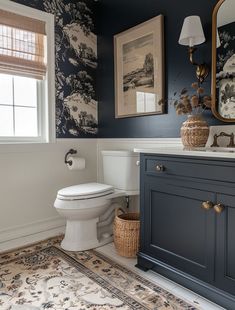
{"points": [[177, 230], [225, 254], [188, 223]]}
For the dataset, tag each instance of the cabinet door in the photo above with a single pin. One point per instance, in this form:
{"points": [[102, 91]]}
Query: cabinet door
{"points": [[225, 254], [176, 229]]}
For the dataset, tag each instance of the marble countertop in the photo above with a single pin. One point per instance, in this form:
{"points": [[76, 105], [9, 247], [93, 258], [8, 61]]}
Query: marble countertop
{"points": [[200, 152]]}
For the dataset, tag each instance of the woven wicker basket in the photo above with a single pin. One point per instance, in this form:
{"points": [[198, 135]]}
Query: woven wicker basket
{"points": [[195, 131], [126, 232]]}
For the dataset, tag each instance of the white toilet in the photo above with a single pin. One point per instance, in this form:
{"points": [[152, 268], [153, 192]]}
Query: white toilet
{"points": [[89, 208]]}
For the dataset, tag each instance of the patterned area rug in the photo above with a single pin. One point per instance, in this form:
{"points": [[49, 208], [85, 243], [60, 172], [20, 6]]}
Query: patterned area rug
{"points": [[43, 276]]}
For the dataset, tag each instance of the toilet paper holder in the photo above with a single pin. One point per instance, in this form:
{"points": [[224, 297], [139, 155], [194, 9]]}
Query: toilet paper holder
{"points": [[70, 152]]}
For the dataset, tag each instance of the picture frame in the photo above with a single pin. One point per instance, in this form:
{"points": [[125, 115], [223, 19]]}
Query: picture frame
{"points": [[139, 70]]}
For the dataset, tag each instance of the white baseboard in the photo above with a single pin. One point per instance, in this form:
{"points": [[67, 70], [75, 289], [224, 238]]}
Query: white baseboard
{"points": [[18, 236]]}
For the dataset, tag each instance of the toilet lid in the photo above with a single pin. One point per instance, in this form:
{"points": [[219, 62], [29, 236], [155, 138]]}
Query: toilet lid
{"points": [[85, 191]]}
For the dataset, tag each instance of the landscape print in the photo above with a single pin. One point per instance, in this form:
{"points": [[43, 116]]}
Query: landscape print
{"points": [[139, 70], [138, 64], [138, 75]]}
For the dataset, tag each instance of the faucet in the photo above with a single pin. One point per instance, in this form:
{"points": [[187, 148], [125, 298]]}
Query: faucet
{"points": [[223, 134]]}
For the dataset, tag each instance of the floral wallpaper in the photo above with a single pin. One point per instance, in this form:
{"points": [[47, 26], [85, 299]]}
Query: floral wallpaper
{"points": [[226, 70], [75, 63]]}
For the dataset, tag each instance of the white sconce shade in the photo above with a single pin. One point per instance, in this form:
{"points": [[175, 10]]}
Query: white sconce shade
{"points": [[192, 32], [218, 42]]}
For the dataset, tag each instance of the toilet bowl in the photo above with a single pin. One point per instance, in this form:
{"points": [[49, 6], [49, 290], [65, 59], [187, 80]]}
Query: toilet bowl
{"points": [[89, 208]]}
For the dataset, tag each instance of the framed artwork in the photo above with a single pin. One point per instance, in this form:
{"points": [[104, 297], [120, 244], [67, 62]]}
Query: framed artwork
{"points": [[139, 70]]}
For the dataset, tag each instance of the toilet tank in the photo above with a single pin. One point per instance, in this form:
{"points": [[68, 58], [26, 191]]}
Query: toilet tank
{"points": [[121, 170]]}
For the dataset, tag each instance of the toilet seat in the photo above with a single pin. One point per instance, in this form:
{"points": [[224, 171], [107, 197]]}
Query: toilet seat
{"points": [[85, 191]]}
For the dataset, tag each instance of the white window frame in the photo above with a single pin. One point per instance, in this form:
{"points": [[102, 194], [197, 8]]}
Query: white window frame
{"points": [[46, 88]]}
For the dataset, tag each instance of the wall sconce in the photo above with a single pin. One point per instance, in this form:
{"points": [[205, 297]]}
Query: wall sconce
{"points": [[192, 34]]}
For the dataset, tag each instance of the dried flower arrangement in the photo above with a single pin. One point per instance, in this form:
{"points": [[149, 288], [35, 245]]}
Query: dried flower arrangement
{"points": [[192, 104], [195, 130]]}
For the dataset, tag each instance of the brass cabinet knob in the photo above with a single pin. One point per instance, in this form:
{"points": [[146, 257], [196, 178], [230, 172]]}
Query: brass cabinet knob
{"points": [[160, 168], [219, 208], [207, 205]]}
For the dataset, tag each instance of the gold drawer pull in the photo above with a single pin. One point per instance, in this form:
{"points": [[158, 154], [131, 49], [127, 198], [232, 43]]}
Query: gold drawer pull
{"points": [[207, 205], [219, 208], [160, 168]]}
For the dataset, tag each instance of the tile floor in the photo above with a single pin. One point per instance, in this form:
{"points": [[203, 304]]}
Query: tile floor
{"points": [[169, 285]]}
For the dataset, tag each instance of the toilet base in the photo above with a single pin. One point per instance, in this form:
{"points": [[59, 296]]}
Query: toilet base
{"points": [[82, 236], [76, 248]]}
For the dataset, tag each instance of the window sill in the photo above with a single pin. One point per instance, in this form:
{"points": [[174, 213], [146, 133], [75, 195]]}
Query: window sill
{"points": [[36, 147]]}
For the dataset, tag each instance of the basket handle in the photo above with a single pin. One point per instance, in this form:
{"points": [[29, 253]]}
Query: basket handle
{"points": [[118, 210]]}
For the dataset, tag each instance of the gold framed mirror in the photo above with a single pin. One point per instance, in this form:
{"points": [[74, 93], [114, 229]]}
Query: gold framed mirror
{"points": [[223, 61]]}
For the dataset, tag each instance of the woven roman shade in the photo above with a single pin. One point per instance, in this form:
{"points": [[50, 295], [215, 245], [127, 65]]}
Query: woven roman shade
{"points": [[22, 45]]}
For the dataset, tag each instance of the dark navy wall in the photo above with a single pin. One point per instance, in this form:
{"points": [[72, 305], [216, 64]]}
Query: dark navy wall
{"points": [[118, 15]]}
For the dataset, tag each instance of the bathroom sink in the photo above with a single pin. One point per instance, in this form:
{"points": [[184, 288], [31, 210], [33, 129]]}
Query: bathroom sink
{"points": [[215, 149]]}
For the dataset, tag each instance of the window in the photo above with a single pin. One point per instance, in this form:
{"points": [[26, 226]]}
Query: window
{"points": [[26, 87], [18, 106]]}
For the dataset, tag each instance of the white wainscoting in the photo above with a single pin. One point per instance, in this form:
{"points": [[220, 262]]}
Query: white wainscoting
{"points": [[130, 144], [30, 176], [18, 236]]}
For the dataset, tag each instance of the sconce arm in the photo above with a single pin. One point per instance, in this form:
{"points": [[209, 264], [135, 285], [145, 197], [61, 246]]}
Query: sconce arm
{"points": [[202, 70], [192, 50]]}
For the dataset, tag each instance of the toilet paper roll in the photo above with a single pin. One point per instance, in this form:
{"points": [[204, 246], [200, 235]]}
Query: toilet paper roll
{"points": [[77, 163]]}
